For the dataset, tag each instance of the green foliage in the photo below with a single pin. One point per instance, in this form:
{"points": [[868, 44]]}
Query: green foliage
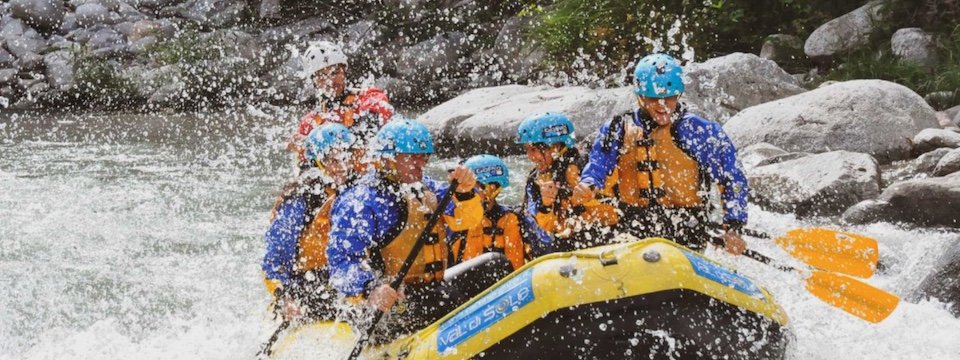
{"points": [[612, 33], [206, 78], [186, 47], [99, 84], [882, 64]]}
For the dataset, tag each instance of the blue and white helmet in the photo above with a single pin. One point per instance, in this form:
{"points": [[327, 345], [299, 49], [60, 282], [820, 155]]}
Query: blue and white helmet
{"points": [[489, 169], [658, 76]]}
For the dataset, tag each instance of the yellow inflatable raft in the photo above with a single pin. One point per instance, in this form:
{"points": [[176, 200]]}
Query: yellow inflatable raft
{"points": [[646, 299]]}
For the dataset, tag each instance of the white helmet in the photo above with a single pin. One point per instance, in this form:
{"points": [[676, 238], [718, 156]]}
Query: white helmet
{"points": [[320, 55]]}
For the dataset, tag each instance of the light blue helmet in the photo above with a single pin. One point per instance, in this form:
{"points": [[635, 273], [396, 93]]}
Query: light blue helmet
{"points": [[326, 137], [489, 169], [547, 128], [658, 76], [404, 136]]}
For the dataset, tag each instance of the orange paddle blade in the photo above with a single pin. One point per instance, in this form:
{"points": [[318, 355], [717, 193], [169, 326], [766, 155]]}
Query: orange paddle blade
{"points": [[832, 250], [852, 296]]}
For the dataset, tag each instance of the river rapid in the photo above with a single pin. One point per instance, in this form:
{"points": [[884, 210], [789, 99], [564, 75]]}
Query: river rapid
{"points": [[140, 236]]}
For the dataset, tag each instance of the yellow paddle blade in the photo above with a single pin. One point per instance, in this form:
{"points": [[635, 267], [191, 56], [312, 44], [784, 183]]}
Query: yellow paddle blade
{"points": [[853, 296], [832, 250]]}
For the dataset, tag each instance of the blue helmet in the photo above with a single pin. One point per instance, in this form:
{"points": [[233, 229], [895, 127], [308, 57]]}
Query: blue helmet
{"points": [[489, 169], [326, 137], [658, 76], [404, 136], [546, 128]]}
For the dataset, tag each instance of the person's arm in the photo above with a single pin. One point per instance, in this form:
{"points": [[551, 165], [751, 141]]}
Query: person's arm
{"points": [[513, 241], [281, 240], [603, 155], [353, 229], [720, 156], [464, 212]]}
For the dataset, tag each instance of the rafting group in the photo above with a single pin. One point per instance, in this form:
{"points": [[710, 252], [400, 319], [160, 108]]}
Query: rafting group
{"points": [[603, 257]]}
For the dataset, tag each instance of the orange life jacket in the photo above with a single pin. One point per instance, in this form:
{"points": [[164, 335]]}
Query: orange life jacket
{"points": [[431, 261], [652, 167], [498, 232]]}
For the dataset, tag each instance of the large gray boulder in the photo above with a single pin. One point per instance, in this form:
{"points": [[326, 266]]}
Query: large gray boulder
{"points": [[490, 116], [845, 33], [944, 282], [915, 46], [875, 117], [820, 184], [929, 139], [927, 202], [433, 58], [948, 164], [42, 14], [720, 87]]}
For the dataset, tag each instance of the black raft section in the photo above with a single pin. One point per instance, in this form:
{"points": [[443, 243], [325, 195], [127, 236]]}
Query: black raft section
{"points": [[674, 324]]}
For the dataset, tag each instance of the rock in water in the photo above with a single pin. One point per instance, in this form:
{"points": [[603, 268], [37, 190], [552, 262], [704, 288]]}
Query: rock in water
{"points": [[927, 202], [944, 282], [948, 164], [821, 184], [930, 139], [875, 117]]}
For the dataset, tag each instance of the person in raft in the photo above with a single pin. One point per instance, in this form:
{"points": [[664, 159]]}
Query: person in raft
{"points": [[666, 159], [363, 111], [376, 223], [549, 142], [295, 263]]}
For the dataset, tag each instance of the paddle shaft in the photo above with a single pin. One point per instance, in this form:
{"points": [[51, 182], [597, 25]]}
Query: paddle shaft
{"points": [[407, 264], [266, 348], [754, 255]]}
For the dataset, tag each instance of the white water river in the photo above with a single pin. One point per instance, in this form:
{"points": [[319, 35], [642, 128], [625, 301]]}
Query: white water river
{"points": [[140, 236]]}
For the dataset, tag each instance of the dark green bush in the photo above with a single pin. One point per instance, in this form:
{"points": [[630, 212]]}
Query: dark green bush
{"points": [[612, 33]]}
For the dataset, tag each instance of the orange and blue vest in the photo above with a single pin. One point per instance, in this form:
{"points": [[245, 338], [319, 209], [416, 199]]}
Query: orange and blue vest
{"points": [[297, 238], [375, 223], [671, 166]]}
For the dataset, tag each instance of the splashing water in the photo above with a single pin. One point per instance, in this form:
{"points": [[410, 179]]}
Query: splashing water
{"points": [[141, 237]]}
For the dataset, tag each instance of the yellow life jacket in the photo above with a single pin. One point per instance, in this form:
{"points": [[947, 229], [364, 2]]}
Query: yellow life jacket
{"points": [[676, 177], [493, 235], [431, 261]]}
